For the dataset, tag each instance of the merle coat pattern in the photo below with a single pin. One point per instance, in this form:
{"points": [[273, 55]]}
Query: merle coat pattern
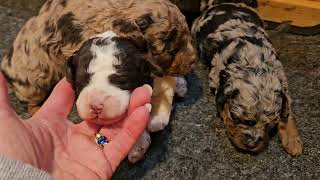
{"points": [[246, 76]]}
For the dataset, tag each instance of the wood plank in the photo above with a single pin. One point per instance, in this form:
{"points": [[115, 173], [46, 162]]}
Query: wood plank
{"points": [[302, 13]]}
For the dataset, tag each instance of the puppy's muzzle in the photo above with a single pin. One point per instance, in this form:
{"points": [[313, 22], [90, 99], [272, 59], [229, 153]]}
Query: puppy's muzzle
{"points": [[251, 142], [102, 107], [101, 104]]}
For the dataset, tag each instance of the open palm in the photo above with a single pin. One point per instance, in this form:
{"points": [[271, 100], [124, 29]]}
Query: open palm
{"points": [[67, 151]]}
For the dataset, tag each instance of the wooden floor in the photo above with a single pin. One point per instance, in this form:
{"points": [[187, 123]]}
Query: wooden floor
{"points": [[301, 13]]}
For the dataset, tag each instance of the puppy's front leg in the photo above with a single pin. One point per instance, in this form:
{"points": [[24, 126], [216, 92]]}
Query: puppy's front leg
{"points": [[287, 128], [288, 131], [162, 97], [289, 136], [140, 148]]}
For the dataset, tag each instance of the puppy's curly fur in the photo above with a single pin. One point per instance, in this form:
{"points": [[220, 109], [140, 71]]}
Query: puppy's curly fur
{"points": [[246, 75], [37, 59]]}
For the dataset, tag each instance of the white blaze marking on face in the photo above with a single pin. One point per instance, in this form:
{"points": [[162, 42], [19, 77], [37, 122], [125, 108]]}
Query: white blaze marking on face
{"points": [[100, 68]]}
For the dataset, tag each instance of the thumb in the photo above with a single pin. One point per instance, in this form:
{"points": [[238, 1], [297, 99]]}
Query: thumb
{"points": [[59, 102]]}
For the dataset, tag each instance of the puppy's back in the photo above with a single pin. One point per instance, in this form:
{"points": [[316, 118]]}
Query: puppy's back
{"points": [[221, 24]]}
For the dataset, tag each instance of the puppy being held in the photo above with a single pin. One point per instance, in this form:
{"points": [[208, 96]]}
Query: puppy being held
{"points": [[247, 77], [103, 73], [106, 49]]}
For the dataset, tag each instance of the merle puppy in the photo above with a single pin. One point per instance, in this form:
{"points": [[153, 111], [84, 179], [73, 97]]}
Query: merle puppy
{"points": [[247, 77]]}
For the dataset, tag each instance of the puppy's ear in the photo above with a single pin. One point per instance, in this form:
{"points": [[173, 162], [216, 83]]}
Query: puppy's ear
{"points": [[133, 30], [220, 101], [128, 28], [71, 70], [144, 22], [220, 97]]}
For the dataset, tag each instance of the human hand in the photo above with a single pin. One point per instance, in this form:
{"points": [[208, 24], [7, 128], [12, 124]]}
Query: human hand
{"points": [[50, 142]]}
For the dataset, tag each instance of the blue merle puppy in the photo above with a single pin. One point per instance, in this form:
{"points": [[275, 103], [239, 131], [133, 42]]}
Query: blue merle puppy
{"points": [[246, 76]]}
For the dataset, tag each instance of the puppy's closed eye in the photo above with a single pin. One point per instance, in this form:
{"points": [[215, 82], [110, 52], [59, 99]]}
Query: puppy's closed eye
{"points": [[235, 119], [249, 123], [278, 93], [246, 122]]}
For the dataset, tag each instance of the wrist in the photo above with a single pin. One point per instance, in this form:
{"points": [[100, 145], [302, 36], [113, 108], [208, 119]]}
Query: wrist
{"points": [[28, 144], [16, 150], [13, 169]]}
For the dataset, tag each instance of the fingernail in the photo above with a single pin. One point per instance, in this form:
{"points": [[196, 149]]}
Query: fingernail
{"points": [[148, 106], [148, 87]]}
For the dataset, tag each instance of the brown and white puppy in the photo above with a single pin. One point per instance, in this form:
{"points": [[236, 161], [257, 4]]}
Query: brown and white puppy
{"points": [[129, 41], [104, 72], [248, 79]]}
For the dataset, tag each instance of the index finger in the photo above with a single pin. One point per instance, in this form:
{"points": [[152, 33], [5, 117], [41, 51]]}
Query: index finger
{"points": [[118, 148]]}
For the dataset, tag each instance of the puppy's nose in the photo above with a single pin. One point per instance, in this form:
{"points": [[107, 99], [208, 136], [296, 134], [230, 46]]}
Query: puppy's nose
{"points": [[96, 107], [251, 141], [96, 101]]}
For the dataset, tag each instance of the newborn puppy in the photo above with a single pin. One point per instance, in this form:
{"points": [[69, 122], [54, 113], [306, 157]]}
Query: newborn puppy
{"points": [[104, 72], [247, 77]]}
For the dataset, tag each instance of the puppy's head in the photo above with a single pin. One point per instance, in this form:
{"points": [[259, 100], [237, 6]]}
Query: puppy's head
{"points": [[250, 102], [103, 72], [170, 42], [167, 35]]}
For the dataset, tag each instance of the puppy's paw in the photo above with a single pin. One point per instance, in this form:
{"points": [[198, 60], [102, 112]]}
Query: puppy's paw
{"points": [[140, 148], [293, 145], [181, 86], [158, 121]]}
